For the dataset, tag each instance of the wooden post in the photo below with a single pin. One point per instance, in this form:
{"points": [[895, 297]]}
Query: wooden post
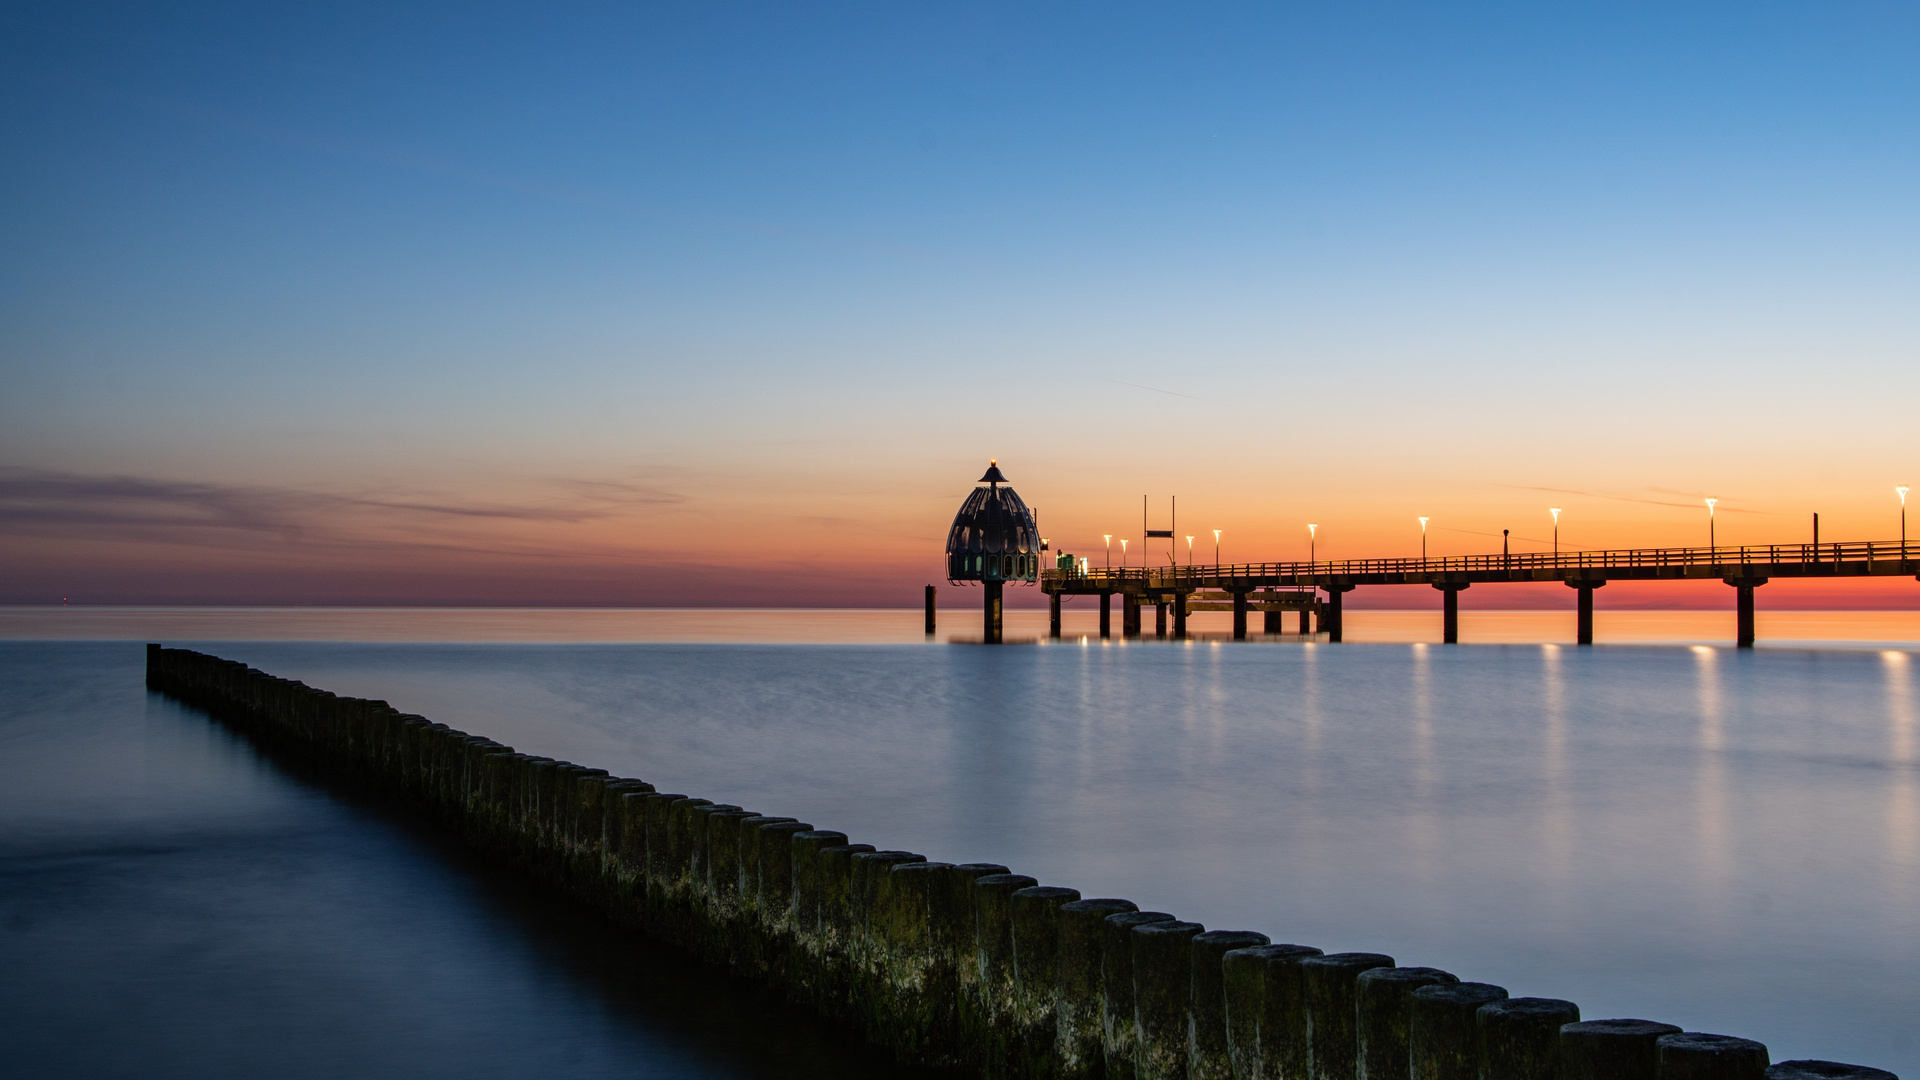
{"points": [[1106, 615], [1130, 614], [929, 609], [1160, 619], [1053, 616], [1180, 616]]}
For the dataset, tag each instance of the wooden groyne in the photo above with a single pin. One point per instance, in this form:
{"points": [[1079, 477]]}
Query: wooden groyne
{"points": [[967, 966]]}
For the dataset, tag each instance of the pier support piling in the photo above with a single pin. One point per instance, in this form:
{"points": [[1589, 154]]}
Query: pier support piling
{"points": [[1743, 606], [1450, 611], [1239, 614], [1584, 622], [993, 612], [1270, 622], [1306, 621], [1160, 620], [1130, 614], [1106, 615], [930, 593], [1330, 613], [1053, 616], [1180, 616]]}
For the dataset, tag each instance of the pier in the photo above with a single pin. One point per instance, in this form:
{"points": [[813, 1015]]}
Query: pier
{"points": [[1316, 588]]}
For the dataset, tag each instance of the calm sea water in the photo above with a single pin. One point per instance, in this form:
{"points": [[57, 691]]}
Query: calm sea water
{"points": [[1726, 841]]}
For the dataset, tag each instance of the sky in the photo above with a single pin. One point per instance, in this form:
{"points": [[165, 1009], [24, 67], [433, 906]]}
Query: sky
{"points": [[729, 304]]}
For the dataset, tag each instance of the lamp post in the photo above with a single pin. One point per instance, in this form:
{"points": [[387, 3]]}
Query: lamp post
{"points": [[1711, 543], [1123, 553], [1313, 531], [1423, 539], [1189, 552], [1902, 490], [1108, 537], [1555, 511], [1216, 553]]}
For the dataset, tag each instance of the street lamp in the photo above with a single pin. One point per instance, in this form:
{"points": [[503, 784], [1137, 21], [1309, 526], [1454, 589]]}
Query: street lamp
{"points": [[1216, 551], [1711, 544], [1123, 554], [1903, 489], [1423, 539], [1108, 537], [1555, 511], [1312, 532]]}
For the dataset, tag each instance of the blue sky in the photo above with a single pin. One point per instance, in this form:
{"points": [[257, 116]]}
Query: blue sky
{"points": [[1354, 263]]}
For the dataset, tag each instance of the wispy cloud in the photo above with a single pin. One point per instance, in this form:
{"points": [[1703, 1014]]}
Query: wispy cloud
{"points": [[1694, 504], [46, 501]]}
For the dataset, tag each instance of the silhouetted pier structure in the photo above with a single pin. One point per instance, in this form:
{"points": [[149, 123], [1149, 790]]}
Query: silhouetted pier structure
{"points": [[1274, 588]]}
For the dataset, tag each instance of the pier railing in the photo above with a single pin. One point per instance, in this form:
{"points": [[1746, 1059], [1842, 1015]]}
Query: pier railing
{"points": [[1875, 555]]}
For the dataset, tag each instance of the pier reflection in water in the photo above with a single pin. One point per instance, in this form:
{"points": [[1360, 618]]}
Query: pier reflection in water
{"points": [[1720, 840]]}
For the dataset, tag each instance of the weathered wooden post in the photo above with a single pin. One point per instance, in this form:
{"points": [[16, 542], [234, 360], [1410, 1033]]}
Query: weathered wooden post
{"points": [[993, 959], [1696, 1055], [1207, 1052], [1520, 1037], [1612, 1049], [1118, 1019], [1077, 1036], [1332, 985], [930, 595], [1036, 977], [1162, 991], [1443, 1030], [1384, 1017], [1266, 1010]]}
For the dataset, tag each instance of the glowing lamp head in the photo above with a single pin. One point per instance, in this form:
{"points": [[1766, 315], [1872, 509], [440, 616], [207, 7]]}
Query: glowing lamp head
{"points": [[1903, 489], [1555, 511], [1311, 528], [1710, 503], [1423, 524], [1216, 536]]}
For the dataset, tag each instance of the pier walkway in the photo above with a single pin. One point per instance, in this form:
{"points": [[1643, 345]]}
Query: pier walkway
{"points": [[1277, 587]]}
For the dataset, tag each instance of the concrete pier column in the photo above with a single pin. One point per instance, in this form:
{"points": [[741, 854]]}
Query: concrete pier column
{"points": [[1106, 616], [1520, 1037], [1584, 622], [1053, 616], [1270, 622], [1117, 1019], [1239, 614], [1612, 1049], [1331, 615], [1306, 621], [1162, 989], [1450, 610], [1180, 616], [1443, 1030], [1160, 620], [1036, 978], [1332, 998], [1130, 614], [930, 595], [1743, 587], [1077, 1029], [1695, 1055], [1208, 1055], [1384, 1015], [992, 589]]}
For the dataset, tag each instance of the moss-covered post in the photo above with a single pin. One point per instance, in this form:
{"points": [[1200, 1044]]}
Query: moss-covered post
{"points": [[1266, 1011], [1332, 995], [804, 956], [871, 994], [1119, 1037], [1077, 1030], [1384, 1018], [1162, 992], [992, 1024], [1443, 1029], [1520, 1037], [834, 864], [1696, 1055], [1207, 1052], [909, 962], [1612, 1049], [1033, 1022], [952, 919]]}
